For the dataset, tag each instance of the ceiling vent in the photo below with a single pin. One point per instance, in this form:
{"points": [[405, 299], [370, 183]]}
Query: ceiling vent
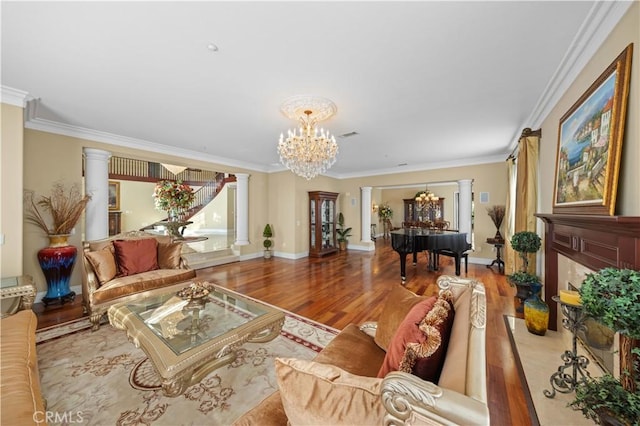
{"points": [[348, 135]]}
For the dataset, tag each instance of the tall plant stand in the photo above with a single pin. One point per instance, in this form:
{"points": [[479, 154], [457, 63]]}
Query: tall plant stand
{"points": [[562, 381], [498, 243]]}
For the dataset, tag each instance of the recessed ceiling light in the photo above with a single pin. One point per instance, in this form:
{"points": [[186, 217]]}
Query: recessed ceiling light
{"points": [[212, 47]]}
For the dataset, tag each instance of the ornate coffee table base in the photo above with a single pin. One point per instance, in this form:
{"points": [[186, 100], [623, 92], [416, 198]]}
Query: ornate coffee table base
{"points": [[177, 385]]}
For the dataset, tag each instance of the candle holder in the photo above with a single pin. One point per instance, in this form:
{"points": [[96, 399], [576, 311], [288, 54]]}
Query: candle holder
{"points": [[561, 381]]}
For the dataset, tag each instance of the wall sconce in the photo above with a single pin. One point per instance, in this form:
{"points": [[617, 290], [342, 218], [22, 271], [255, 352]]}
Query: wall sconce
{"points": [[375, 208]]}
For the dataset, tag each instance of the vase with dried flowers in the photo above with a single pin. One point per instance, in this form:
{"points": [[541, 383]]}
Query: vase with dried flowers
{"points": [[57, 260], [496, 213]]}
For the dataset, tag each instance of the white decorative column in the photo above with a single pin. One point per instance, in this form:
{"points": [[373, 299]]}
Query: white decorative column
{"points": [[464, 207], [96, 182], [365, 211], [242, 209]]}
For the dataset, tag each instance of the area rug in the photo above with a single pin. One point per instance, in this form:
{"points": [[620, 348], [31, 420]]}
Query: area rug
{"points": [[99, 378]]}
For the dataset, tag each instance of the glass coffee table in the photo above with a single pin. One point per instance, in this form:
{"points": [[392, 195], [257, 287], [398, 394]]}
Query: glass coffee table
{"points": [[188, 339]]}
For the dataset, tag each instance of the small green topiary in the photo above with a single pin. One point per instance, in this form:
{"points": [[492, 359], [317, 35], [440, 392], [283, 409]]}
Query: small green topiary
{"points": [[267, 234]]}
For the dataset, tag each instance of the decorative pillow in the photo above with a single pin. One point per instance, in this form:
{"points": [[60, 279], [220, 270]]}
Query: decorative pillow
{"points": [[104, 264], [169, 255], [136, 256], [322, 394], [420, 343], [399, 302]]}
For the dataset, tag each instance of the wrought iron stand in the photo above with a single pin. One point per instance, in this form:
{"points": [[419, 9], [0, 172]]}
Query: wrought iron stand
{"points": [[562, 381]]}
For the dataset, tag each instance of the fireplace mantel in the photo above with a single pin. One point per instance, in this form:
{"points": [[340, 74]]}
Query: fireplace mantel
{"points": [[593, 241]]}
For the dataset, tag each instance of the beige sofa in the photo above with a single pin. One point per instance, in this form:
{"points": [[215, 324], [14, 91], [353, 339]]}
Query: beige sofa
{"points": [[354, 358], [111, 269], [21, 400]]}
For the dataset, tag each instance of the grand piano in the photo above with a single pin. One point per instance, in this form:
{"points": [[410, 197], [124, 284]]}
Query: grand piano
{"points": [[415, 240]]}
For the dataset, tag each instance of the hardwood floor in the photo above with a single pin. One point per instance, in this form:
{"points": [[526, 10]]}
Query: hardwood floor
{"points": [[350, 287]]}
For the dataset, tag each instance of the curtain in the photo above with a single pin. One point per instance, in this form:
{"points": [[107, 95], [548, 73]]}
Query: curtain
{"points": [[527, 184], [509, 255]]}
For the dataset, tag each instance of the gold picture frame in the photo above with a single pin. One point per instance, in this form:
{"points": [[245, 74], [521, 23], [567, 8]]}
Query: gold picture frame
{"points": [[114, 195], [590, 144]]}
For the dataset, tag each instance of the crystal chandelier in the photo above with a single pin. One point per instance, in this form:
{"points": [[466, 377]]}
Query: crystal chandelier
{"points": [[308, 151]]}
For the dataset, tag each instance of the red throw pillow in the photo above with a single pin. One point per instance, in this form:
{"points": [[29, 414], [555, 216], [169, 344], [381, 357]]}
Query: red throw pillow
{"points": [[136, 256], [420, 343]]}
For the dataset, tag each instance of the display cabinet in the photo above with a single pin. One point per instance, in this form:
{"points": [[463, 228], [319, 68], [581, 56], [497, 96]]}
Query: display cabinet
{"points": [[322, 223], [413, 214]]}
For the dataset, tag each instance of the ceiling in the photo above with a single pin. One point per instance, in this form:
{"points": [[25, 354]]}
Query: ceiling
{"points": [[424, 84]]}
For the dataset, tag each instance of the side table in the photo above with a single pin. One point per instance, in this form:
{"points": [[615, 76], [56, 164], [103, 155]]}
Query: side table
{"points": [[573, 320], [498, 243], [22, 289]]}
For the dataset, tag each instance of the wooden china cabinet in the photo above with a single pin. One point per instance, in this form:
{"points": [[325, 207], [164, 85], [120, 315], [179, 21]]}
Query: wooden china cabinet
{"points": [[411, 212], [322, 223]]}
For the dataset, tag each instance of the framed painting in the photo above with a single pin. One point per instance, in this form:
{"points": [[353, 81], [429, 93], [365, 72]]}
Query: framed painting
{"points": [[590, 144], [114, 195]]}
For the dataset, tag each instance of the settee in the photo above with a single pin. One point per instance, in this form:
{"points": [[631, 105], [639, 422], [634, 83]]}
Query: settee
{"points": [[340, 385], [127, 266], [20, 393]]}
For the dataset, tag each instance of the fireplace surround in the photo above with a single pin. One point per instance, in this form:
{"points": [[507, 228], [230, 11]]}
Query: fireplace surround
{"points": [[595, 242]]}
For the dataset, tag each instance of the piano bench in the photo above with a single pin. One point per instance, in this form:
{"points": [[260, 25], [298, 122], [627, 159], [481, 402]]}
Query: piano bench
{"points": [[456, 256]]}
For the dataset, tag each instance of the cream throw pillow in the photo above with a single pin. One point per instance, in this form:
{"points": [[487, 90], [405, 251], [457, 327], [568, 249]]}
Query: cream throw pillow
{"points": [[321, 394]]}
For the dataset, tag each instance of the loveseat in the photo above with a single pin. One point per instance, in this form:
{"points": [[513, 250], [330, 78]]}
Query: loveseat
{"points": [[127, 266], [340, 385], [21, 400]]}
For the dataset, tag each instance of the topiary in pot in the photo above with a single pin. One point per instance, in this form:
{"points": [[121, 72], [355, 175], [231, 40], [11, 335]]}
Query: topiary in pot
{"points": [[612, 297], [267, 243], [524, 242]]}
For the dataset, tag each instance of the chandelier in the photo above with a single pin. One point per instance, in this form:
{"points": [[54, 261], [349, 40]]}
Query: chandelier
{"points": [[426, 201], [308, 151]]}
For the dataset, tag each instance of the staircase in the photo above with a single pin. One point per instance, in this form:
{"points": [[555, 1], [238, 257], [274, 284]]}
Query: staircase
{"points": [[205, 194]]}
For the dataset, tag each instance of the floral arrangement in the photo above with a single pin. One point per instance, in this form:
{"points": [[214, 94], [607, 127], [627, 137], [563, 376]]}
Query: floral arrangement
{"points": [[173, 196], [385, 212], [64, 207]]}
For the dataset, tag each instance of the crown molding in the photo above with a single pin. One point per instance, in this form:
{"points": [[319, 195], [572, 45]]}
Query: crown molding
{"points": [[601, 20], [15, 97], [462, 162], [118, 140]]}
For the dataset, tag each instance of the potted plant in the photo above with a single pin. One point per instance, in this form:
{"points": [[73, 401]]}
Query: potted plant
{"points": [[343, 233], [267, 243], [524, 242], [57, 260], [612, 297]]}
